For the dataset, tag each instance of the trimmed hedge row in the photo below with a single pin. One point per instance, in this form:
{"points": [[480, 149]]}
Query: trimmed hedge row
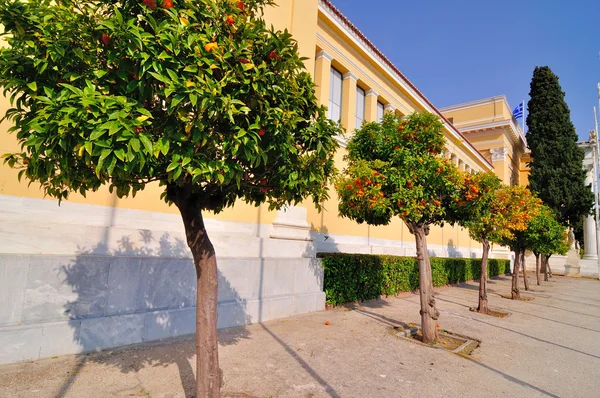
{"points": [[360, 277]]}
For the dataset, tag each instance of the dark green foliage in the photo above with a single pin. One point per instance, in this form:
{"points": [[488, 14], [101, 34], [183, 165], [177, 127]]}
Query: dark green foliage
{"points": [[557, 176], [578, 232], [124, 94], [361, 277]]}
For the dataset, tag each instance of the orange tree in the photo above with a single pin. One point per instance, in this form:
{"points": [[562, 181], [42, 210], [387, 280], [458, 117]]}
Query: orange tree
{"points": [[544, 236], [479, 209], [200, 96], [395, 169], [519, 206]]}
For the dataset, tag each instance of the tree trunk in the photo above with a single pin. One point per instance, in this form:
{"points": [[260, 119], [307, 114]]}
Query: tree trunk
{"points": [[483, 299], [537, 268], [545, 267], [515, 293], [429, 313], [208, 374], [548, 266], [525, 280]]}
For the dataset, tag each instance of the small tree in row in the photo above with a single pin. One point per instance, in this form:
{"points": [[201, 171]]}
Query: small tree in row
{"points": [[477, 209], [396, 170], [522, 207], [545, 236], [199, 96]]}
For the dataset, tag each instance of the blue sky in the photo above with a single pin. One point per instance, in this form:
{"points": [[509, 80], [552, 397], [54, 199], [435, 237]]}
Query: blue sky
{"points": [[464, 50]]}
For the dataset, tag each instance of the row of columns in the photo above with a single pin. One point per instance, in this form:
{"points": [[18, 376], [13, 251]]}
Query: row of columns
{"points": [[349, 85], [454, 159], [348, 114]]}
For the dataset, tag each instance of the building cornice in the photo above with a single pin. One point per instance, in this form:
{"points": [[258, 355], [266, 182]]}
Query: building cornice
{"points": [[514, 131], [473, 104], [360, 40]]}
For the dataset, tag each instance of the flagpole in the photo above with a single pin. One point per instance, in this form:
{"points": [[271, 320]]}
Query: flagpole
{"points": [[523, 117]]}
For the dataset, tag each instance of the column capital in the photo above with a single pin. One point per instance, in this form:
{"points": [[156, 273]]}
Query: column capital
{"points": [[372, 92], [324, 54], [498, 154], [389, 108], [350, 75]]}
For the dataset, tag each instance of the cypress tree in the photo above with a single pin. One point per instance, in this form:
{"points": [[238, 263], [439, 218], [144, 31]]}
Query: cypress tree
{"points": [[557, 175]]}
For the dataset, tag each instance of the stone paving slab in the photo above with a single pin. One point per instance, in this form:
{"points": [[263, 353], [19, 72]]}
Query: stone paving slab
{"points": [[548, 347]]}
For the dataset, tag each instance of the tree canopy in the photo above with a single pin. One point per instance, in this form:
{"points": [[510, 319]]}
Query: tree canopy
{"points": [[480, 209], [544, 235], [396, 169], [557, 176], [196, 93]]}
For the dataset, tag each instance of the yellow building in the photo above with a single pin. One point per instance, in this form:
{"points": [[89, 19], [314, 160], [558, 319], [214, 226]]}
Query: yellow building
{"points": [[490, 126], [99, 272], [357, 82]]}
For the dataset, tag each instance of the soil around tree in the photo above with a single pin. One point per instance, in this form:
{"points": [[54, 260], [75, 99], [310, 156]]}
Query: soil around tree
{"points": [[491, 312], [522, 298], [446, 340]]}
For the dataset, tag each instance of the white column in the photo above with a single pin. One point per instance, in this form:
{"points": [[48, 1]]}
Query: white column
{"points": [[322, 76], [349, 102], [454, 160], [589, 229], [371, 105]]}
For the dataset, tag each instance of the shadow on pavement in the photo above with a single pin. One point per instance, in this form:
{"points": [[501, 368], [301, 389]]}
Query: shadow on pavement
{"points": [[520, 312], [514, 379], [328, 388]]}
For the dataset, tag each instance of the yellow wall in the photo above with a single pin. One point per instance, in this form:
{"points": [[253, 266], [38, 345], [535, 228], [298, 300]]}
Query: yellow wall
{"points": [[474, 119], [470, 116], [300, 17]]}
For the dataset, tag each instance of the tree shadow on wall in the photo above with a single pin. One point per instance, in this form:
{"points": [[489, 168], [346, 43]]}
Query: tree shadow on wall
{"points": [[143, 290], [452, 250]]}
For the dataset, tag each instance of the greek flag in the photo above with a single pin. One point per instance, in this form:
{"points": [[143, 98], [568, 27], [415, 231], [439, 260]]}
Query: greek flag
{"points": [[518, 111]]}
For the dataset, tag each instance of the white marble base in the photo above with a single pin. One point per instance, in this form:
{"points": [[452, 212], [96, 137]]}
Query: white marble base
{"points": [[588, 268], [72, 304], [557, 264], [571, 270]]}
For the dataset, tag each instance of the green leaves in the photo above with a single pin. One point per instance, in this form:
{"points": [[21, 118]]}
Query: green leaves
{"points": [[556, 174], [360, 277], [395, 169], [132, 95], [545, 235]]}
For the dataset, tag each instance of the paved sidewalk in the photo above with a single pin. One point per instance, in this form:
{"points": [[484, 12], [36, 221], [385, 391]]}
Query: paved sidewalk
{"points": [[548, 347]]}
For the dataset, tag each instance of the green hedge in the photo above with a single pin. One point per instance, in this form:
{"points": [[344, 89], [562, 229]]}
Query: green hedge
{"points": [[361, 277]]}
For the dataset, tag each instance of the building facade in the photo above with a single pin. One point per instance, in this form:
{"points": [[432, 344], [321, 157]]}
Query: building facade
{"points": [[490, 126], [100, 272]]}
